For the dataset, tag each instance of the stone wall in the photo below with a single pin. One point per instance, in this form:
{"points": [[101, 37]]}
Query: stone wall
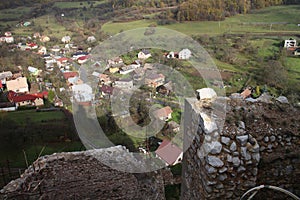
{"points": [[79, 175], [223, 162]]}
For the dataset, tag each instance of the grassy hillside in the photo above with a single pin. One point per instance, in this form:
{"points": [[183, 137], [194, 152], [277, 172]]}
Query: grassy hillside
{"points": [[282, 18]]}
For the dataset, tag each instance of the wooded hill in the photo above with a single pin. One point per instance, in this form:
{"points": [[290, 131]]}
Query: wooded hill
{"points": [[180, 10]]}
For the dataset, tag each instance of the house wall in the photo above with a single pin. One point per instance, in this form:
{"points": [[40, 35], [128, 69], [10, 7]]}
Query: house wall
{"points": [[39, 102], [224, 164], [8, 109], [24, 103]]}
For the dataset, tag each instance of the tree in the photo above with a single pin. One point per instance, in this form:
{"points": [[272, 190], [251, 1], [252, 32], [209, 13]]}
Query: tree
{"points": [[275, 75]]}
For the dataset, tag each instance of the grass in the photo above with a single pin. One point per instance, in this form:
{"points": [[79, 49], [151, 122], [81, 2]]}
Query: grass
{"points": [[293, 65], [266, 46], [79, 4], [243, 23], [30, 131], [31, 116], [15, 13]]}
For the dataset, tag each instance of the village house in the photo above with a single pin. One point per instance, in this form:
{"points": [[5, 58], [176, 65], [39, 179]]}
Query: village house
{"points": [[77, 55], [62, 62], [74, 81], [138, 74], [165, 89], [104, 79], [154, 80], [18, 85], [148, 66], [58, 102], [32, 46], [9, 39], [106, 91], [184, 54], [114, 70], [4, 76], [83, 59], [68, 75], [246, 93], [66, 39], [172, 54], [170, 153], [297, 52], [7, 34], [163, 114], [82, 93], [124, 84], [26, 99], [115, 61], [44, 38], [33, 71], [36, 35], [290, 43], [129, 68], [91, 39], [173, 127], [144, 54]]}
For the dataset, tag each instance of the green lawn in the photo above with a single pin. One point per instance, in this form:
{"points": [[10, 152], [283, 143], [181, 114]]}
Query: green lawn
{"points": [[251, 23]]}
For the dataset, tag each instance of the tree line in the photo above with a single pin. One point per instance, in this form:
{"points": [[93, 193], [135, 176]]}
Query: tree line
{"points": [[192, 10]]}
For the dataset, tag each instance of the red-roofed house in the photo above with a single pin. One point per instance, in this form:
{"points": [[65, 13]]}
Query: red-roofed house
{"points": [[106, 91], [169, 152], [26, 99], [164, 113], [68, 75], [83, 59]]}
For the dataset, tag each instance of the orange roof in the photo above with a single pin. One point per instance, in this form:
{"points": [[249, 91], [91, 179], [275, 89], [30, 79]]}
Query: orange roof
{"points": [[246, 93]]}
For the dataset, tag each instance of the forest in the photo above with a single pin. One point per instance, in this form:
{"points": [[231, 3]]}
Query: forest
{"points": [[180, 10]]}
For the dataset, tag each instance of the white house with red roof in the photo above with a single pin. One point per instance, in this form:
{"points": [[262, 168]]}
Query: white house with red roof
{"points": [[169, 152], [26, 99]]}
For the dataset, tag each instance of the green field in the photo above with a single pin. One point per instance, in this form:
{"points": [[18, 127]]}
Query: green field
{"points": [[31, 116], [14, 13], [32, 131], [257, 22], [79, 4]]}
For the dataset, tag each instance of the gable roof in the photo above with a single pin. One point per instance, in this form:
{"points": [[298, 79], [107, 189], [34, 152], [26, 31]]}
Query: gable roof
{"points": [[6, 74], [168, 151], [155, 76], [145, 51], [68, 75], [163, 112], [16, 98], [246, 93]]}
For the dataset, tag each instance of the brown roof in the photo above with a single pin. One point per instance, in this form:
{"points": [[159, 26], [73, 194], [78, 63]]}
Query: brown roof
{"points": [[168, 151], [68, 75]]}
